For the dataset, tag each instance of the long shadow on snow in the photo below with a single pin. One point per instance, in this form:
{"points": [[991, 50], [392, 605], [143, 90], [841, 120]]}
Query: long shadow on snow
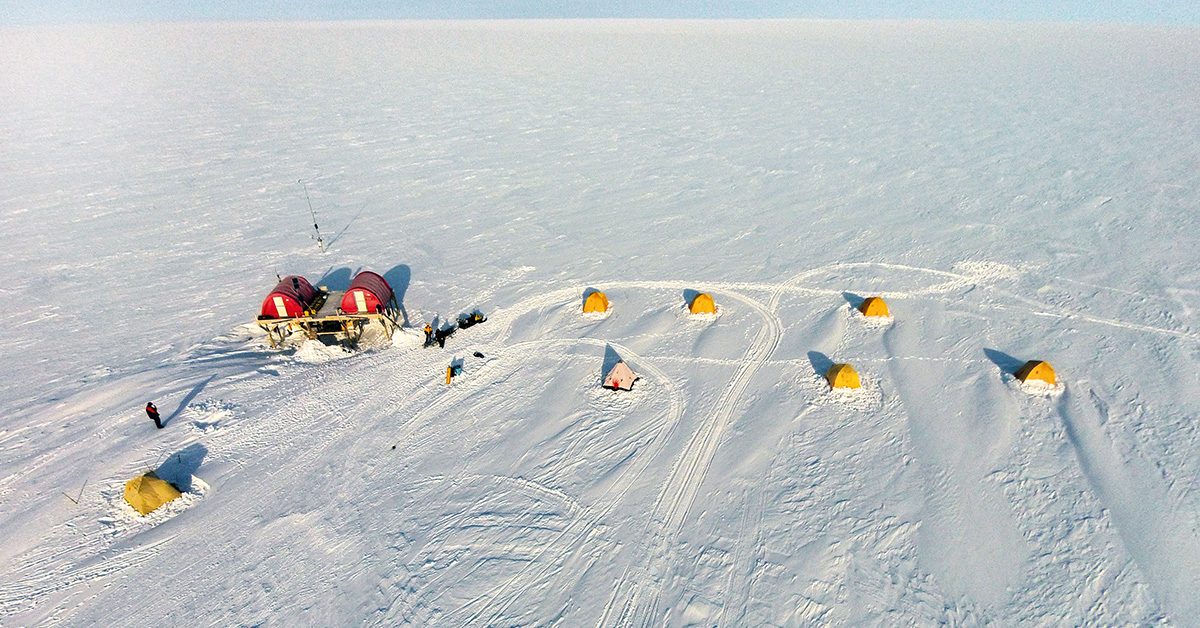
{"points": [[398, 278], [854, 300], [1006, 362], [188, 399], [610, 360], [336, 278], [346, 228], [820, 362], [179, 468]]}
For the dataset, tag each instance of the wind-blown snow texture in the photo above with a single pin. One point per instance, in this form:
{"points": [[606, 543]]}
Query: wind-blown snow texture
{"points": [[1013, 192]]}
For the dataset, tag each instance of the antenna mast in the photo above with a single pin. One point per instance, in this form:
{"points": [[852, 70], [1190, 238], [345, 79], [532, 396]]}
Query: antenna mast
{"points": [[320, 241]]}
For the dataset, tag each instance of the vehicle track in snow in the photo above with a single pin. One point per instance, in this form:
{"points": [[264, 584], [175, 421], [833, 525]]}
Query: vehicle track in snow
{"points": [[636, 597], [674, 501]]}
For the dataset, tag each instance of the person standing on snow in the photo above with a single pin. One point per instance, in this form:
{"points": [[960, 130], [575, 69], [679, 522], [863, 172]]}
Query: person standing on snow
{"points": [[152, 412], [428, 334]]}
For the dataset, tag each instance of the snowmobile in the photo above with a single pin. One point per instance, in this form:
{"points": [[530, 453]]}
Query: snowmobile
{"points": [[467, 320]]}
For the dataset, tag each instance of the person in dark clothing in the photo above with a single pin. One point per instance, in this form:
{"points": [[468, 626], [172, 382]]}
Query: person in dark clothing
{"points": [[152, 412], [442, 334], [428, 334]]}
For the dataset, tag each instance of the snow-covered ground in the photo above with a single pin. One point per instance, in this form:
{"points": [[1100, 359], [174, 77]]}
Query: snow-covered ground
{"points": [[1013, 191]]}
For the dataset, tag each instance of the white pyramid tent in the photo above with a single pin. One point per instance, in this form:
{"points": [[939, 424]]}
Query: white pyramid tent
{"points": [[620, 377]]}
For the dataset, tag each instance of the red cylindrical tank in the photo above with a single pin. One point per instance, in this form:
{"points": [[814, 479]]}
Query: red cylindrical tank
{"points": [[369, 293], [289, 299]]}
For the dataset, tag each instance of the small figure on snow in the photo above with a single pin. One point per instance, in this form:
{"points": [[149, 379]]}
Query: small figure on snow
{"points": [[442, 334], [428, 334], [152, 412]]}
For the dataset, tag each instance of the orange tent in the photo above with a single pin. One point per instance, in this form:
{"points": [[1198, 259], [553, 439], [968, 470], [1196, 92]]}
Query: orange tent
{"points": [[874, 306], [1036, 370], [842, 376], [596, 302], [703, 304]]}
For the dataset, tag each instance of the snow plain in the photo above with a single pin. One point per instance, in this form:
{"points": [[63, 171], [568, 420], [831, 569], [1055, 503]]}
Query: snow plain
{"points": [[1013, 191]]}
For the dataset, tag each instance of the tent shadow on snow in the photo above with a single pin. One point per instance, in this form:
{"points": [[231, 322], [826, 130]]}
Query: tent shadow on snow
{"points": [[690, 295], [188, 399], [610, 360], [854, 300], [1006, 362], [820, 362], [179, 467]]}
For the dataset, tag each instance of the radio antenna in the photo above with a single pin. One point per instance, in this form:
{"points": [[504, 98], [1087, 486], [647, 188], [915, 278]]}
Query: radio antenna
{"points": [[320, 241]]}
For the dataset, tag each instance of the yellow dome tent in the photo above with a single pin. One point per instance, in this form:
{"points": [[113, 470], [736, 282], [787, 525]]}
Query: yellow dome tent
{"points": [[842, 376], [148, 492], [874, 306], [1036, 370], [703, 304], [596, 302]]}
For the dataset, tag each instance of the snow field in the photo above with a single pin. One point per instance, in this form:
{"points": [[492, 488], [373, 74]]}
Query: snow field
{"points": [[1013, 192]]}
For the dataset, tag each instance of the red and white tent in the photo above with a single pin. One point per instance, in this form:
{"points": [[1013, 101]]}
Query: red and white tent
{"points": [[620, 377], [289, 299], [369, 293]]}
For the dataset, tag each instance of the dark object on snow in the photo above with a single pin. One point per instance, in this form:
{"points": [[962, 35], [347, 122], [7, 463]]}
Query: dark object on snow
{"points": [[442, 334], [428, 334], [152, 412], [467, 320], [478, 354]]}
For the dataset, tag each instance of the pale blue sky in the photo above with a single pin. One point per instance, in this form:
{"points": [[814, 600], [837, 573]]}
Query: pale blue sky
{"points": [[1137, 11]]}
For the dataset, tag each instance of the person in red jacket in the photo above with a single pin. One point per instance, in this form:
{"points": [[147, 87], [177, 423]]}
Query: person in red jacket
{"points": [[153, 414]]}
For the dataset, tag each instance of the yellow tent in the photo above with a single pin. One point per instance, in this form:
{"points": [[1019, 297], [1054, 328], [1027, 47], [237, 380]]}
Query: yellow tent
{"points": [[703, 304], [596, 302], [842, 376], [148, 492], [1038, 370], [874, 306]]}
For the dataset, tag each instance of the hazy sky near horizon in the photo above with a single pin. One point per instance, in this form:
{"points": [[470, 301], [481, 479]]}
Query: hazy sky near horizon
{"points": [[85, 11]]}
